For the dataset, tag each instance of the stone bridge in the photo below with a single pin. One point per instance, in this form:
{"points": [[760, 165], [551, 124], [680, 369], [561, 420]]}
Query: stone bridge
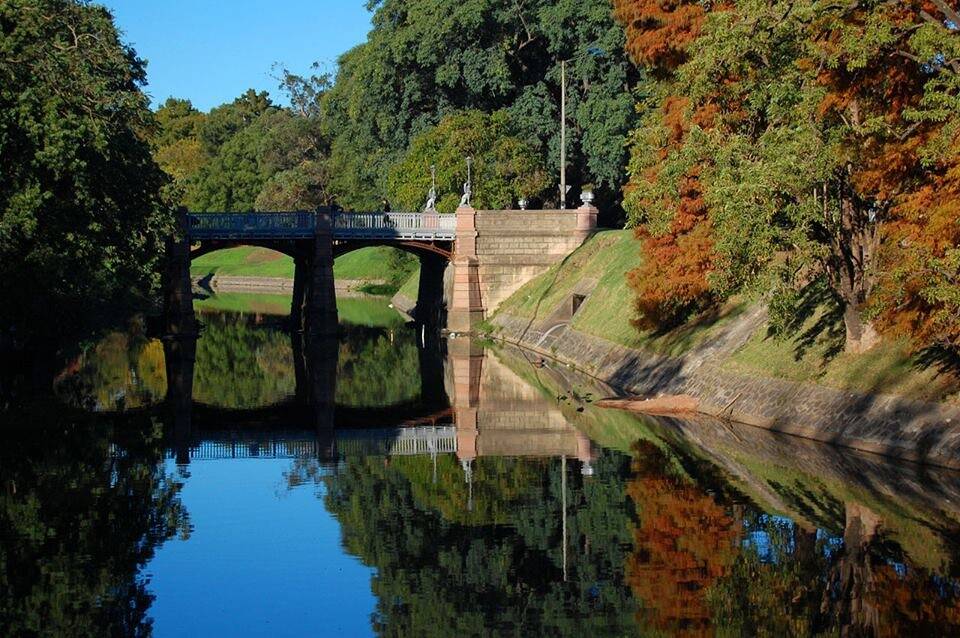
{"points": [[470, 261]]}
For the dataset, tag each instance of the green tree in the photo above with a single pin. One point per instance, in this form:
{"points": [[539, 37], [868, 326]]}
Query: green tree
{"points": [[426, 59], [504, 167], [176, 143], [81, 215], [248, 154]]}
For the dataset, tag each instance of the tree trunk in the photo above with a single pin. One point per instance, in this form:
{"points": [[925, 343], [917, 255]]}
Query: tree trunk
{"points": [[861, 335], [854, 243]]}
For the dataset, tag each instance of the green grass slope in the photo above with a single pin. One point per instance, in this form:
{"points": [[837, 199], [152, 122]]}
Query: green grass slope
{"points": [[811, 351], [243, 261], [607, 312], [375, 263]]}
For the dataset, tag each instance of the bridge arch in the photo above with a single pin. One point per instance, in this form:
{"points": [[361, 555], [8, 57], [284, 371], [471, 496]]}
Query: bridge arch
{"points": [[419, 248], [205, 247]]}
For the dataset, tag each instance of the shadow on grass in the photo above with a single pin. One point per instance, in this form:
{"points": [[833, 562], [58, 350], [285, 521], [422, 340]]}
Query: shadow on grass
{"points": [[815, 300], [945, 360], [679, 340]]}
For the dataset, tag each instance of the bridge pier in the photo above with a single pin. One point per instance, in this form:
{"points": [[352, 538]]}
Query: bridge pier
{"points": [[319, 292], [466, 359], [301, 270], [466, 306], [180, 322], [431, 308], [322, 358]]}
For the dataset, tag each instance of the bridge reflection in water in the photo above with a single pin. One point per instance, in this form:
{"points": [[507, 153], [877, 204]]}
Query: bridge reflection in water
{"points": [[411, 441], [470, 405]]}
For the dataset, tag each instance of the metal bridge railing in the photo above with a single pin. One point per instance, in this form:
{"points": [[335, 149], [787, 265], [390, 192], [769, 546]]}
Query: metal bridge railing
{"points": [[409, 441], [423, 226], [252, 225]]}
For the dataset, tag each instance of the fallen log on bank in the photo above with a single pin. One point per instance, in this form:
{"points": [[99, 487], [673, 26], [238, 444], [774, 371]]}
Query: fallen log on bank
{"points": [[664, 404]]}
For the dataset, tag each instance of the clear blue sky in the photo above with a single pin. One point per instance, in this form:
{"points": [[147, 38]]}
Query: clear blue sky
{"points": [[210, 51]]}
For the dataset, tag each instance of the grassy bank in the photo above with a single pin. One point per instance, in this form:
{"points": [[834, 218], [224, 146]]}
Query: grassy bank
{"points": [[378, 263], [810, 351], [411, 287]]}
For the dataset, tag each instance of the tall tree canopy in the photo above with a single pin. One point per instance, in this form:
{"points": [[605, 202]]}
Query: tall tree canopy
{"points": [[81, 215], [425, 59], [505, 169], [788, 141], [248, 154]]}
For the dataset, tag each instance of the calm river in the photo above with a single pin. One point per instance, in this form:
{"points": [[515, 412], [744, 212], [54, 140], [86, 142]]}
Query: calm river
{"points": [[466, 490]]}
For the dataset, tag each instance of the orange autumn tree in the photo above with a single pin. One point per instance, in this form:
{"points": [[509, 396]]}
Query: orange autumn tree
{"points": [[892, 97], [919, 264], [785, 142], [684, 543], [673, 227]]}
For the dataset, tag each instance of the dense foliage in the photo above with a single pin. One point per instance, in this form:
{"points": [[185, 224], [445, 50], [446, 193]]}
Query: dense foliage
{"points": [[83, 508], [426, 59], [245, 155], [789, 141], [504, 168], [81, 215]]}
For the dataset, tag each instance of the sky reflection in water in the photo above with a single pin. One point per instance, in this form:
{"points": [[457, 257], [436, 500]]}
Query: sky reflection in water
{"points": [[547, 519]]}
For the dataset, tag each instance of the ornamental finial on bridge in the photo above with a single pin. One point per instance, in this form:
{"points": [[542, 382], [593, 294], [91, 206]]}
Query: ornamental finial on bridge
{"points": [[431, 205], [467, 185]]}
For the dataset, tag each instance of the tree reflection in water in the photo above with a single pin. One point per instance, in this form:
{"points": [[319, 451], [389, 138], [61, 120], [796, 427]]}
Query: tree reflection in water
{"points": [[83, 507], [659, 543], [707, 561], [242, 361], [444, 569]]}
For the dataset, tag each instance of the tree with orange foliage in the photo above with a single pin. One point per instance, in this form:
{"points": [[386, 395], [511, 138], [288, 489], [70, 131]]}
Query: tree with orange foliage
{"points": [[787, 139], [671, 223]]}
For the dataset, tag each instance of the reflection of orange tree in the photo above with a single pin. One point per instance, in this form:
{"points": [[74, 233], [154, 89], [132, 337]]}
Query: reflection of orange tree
{"points": [[684, 542], [122, 370], [909, 604]]}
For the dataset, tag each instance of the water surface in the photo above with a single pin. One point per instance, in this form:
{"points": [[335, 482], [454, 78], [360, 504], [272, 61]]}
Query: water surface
{"points": [[464, 491]]}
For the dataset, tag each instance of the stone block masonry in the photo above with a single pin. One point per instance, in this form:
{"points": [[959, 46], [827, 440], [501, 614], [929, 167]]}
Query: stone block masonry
{"points": [[922, 432], [497, 251]]}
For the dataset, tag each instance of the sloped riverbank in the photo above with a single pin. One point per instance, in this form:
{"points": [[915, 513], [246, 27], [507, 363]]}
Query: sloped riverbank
{"points": [[918, 431]]}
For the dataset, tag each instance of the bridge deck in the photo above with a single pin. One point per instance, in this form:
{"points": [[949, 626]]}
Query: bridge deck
{"points": [[303, 225]]}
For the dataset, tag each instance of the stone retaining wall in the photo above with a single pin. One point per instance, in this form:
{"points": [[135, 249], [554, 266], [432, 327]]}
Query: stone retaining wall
{"points": [[229, 283], [513, 247], [893, 426]]}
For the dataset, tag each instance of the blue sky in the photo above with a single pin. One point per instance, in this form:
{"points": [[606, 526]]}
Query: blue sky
{"points": [[211, 51]]}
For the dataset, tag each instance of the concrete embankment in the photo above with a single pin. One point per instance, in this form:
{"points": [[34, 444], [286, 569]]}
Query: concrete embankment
{"points": [[884, 424], [228, 283]]}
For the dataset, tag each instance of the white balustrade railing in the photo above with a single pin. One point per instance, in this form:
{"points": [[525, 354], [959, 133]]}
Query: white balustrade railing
{"points": [[389, 441], [397, 225]]}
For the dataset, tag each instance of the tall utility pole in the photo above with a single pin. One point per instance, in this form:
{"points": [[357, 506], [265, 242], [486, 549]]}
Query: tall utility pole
{"points": [[563, 134]]}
